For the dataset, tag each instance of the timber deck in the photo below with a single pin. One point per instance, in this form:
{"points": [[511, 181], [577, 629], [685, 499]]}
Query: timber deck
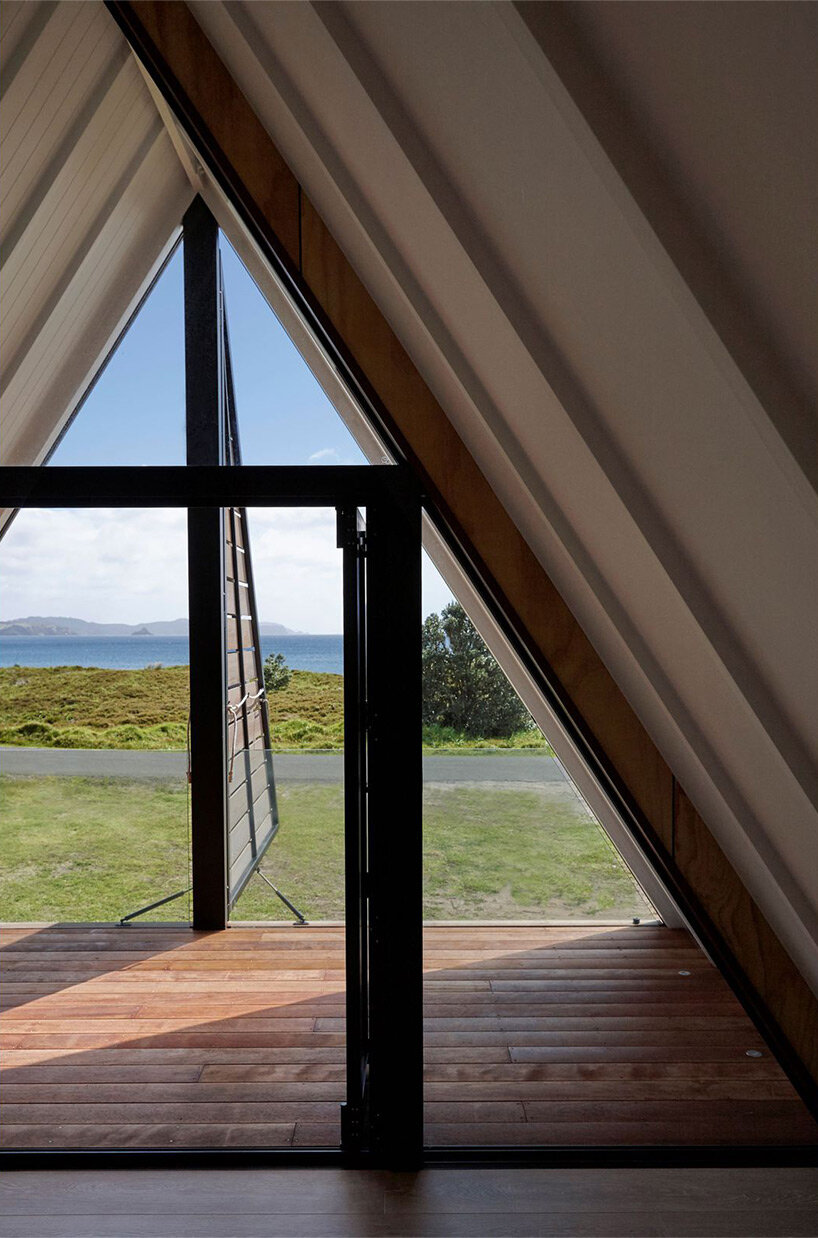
{"points": [[161, 1037]]}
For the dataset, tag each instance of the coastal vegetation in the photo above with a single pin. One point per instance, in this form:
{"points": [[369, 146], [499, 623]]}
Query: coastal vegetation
{"points": [[464, 689], [95, 848], [88, 707], [277, 673]]}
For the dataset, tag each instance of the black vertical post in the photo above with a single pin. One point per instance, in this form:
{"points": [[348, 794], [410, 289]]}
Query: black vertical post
{"points": [[395, 831], [203, 386], [203, 374], [354, 1116]]}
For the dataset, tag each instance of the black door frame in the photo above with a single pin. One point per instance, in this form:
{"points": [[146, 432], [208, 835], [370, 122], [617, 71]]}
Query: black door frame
{"points": [[351, 538], [206, 445], [383, 772]]}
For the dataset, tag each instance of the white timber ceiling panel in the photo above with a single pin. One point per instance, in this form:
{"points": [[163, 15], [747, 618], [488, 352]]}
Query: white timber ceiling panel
{"points": [[91, 196], [489, 223], [717, 132]]}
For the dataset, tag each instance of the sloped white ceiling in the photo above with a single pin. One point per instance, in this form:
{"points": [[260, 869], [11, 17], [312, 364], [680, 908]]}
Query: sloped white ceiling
{"points": [[658, 486], [488, 222], [725, 98], [91, 195]]}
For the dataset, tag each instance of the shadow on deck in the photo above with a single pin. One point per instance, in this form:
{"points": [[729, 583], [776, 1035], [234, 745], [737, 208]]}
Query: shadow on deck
{"points": [[156, 1036]]}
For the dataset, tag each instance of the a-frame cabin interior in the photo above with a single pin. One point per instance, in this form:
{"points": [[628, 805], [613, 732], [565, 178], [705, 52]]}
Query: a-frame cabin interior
{"points": [[554, 266]]}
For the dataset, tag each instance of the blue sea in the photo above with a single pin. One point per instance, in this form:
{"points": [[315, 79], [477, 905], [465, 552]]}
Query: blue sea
{"points": [[301, 653]]}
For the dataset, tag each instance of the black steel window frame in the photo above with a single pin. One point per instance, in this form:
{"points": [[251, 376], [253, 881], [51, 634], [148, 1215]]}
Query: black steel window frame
{"points": [[246, 485], [387, 721]]}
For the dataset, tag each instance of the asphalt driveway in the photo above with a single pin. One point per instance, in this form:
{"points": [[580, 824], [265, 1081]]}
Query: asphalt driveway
{"points": [[323, 767]]}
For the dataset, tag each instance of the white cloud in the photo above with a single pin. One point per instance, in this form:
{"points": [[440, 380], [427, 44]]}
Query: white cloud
{"points": [[297, 567], [130, 566], [110, 565], [331, 455]]}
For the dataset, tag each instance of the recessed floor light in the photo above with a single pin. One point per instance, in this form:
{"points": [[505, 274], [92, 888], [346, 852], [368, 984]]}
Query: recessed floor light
{"points": [[753, 1053]]}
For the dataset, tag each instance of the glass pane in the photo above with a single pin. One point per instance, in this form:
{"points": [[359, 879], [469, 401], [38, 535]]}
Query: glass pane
{"points": [[135, 413], [91, 835], [507, 835], [284, 416], [286, 809], [94, 702], [558, 1009], [296, 569], [94, 829]]}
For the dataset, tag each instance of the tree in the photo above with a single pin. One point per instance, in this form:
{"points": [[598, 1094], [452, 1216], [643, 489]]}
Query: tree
{"points": [[277, 673], [463, 687]]}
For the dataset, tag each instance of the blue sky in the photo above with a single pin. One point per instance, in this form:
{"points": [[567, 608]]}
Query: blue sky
{"points": [[136, 412], [135, 415]]}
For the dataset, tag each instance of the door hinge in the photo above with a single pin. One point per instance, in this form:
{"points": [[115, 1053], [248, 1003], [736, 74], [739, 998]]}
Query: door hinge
{"points": [[352, 1127], [348, 534]]}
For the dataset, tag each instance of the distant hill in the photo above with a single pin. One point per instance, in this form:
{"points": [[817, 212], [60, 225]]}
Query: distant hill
{"points": [[62, 625]]}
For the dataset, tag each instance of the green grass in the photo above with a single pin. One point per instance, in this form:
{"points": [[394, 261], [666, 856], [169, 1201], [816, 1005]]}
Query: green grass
{"points": [[305, 860], [169, 736], [91, 848], [87, 707], [67, 696], [95, 849], [518, 854], [443, 740]]}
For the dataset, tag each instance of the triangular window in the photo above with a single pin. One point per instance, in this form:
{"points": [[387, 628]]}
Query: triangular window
{"points": [[134, 410], [516, 1005], [507, 835], [284, 416]]}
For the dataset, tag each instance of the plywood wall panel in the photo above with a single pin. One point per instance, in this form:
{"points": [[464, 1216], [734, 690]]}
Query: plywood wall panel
{"points": [[234, 125], [767, 965]]}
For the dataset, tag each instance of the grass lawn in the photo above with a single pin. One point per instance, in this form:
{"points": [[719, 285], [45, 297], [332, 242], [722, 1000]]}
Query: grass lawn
{"points": [[95, 849], [495, 854], [87, 707], [91, 848]]}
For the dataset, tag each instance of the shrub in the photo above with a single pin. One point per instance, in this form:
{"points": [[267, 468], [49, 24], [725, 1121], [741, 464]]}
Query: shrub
{"points": [[277, 673], [463, 687]]}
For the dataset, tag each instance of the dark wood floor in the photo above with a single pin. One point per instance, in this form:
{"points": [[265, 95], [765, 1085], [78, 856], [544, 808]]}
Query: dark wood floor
{"points": [[457, 1203], [161, 1037]]}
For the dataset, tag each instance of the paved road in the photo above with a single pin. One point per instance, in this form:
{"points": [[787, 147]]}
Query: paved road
{"points": [[289, 767]]}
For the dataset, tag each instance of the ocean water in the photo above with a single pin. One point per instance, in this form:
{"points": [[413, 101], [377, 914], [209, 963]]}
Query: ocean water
{"points": [[301, 653]]}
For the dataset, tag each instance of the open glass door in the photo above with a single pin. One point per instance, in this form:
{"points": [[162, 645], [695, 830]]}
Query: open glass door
{"points": [[235, 797]]}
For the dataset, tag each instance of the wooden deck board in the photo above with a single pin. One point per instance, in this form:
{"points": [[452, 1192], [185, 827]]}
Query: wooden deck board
{"points": [[168, 1038]]}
